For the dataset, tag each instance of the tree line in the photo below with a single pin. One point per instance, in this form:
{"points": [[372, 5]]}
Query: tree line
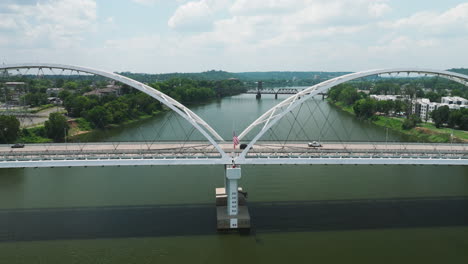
{"points": [[453, 118], [365, 107], [104, 110]]}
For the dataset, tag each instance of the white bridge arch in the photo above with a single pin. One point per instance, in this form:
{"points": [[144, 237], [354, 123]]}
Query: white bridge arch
{"points": [[272, 116], [196, 121]]}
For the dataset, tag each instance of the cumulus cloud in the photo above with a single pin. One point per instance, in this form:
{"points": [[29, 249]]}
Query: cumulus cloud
{"points": [[196, 15], [52, 22], [146, 2], [454, 20], [242, 35]]}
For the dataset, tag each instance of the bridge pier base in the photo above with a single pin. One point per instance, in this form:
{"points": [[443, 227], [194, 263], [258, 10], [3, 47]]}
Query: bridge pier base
{"points": [[276, 96], [231, 209]]}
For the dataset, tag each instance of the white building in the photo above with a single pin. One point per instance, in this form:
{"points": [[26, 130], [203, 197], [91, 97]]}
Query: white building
{"points": [[454, 100], [387, 97], [423, 106]]}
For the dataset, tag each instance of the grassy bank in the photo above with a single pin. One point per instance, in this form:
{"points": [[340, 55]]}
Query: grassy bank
{"points": [[81, 126], [424, 132], [34, 135], [78, 127]]}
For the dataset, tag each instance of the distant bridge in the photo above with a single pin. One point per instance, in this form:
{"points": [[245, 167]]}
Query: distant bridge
{"points": [[259, 92]]}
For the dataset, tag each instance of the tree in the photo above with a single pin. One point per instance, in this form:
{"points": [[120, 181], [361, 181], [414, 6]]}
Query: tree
{"points": [[349, 95], [99, 116], [384, 106], [440, 115], [400, 106], [64, 94], [454, 118], [334, 93], [464, 122], [76, 105], [70, 85], [365, 108], [411, 122], [9, 129], [456, 92], [119, 111], [433, 97], [56, 127], [35, 99]]}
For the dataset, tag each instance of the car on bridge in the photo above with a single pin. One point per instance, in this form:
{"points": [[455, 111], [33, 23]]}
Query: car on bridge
{"points": [[314, 144], [18, 145]]}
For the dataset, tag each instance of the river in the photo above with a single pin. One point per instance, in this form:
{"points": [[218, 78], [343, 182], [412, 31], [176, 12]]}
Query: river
{"points": [[303, 214]]}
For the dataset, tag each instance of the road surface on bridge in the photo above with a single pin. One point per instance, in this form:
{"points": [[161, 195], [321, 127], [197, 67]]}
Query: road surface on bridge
{"points": [[201, 149], [196, 147]]}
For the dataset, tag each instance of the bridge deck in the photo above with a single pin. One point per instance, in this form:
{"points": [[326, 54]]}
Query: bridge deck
{"points": [[169, 153]]}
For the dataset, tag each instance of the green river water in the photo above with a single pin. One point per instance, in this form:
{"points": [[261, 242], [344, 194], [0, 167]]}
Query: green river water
{"points": [[300, 214]]}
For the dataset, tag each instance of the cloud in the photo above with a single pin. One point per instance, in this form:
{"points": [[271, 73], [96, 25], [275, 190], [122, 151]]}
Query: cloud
{"points": [[196, 15], [378, 9], [49, 23], [146, 2], [8, 22], [453, 21], [259, 7], [238, 35]]}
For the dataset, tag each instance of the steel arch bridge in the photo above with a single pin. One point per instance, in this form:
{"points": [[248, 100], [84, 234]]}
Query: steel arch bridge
{"points": [[131, 154]]}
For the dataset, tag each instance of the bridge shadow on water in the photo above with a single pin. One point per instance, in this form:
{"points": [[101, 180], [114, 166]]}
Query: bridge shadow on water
{"points": [[184, 220]]}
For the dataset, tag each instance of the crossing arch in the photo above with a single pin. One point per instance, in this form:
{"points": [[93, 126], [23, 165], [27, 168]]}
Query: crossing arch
{"points": [[197, 122], [276, 113]]}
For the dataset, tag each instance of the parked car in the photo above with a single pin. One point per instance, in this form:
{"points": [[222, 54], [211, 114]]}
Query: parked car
{"points": [[314, 144], [18, 145]]}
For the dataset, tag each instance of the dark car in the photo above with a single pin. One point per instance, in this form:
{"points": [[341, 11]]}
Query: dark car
{"points": [[18, 145]]}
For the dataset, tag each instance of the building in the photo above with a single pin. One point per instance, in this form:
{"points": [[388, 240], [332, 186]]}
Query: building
{"points": [[14, 85], [53, 92], [423, 107], [454, 100], [420, 108], [109, 90], [386, 97]]}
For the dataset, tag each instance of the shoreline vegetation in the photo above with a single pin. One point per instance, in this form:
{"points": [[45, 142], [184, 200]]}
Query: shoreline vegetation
{"points": [[423, 132], [91, 113]]}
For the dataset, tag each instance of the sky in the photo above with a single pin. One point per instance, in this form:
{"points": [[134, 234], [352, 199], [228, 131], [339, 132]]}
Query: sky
{"points": [[160, 36]]}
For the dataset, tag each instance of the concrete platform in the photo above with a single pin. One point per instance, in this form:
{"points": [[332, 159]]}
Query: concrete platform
{"points": [[224, 220], [228, 222]]}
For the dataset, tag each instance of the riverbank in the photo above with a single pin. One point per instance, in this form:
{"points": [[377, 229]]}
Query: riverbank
{"points": [[83, 127], [78, 128], [424, 132]]}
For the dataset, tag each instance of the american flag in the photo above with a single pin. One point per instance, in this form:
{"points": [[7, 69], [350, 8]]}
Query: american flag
{"points": [[235, 139]]}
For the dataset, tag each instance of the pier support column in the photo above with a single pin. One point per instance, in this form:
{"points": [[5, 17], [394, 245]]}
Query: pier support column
{"points": [[233, 174], [231, 208]]}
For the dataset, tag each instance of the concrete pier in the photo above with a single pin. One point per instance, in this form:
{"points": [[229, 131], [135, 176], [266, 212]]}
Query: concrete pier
{"points": [[231, 205]]}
